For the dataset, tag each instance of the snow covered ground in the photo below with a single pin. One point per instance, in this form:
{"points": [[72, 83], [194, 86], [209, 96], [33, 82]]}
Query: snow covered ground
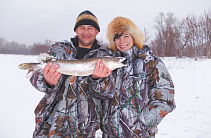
{"points": [[190, 119]]}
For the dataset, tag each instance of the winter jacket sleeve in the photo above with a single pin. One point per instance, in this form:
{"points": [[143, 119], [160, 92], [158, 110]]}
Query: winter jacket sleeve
{"points": [[59, 50], [161, 95], [38, 81], [102, 88]]}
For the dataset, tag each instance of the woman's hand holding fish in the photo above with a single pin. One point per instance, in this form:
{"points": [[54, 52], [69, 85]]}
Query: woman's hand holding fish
{"points": [[101, 71], [50, 74]]}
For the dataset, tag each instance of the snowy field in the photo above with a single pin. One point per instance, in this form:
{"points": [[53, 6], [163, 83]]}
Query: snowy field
{"points": [[190, 119]]}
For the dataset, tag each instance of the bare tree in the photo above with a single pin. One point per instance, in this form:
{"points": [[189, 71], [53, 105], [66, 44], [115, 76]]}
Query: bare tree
{"points": [[167, 35], [207, 33], [38, 48], [195, 43], [2, 45], [158, 44], [146, 35]]}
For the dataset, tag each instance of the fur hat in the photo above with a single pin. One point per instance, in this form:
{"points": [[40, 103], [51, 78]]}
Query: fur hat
{"points": [[121, 25], [87, 18]]}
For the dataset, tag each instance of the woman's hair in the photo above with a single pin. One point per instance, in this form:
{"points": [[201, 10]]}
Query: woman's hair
{"points": [[120, 25]]}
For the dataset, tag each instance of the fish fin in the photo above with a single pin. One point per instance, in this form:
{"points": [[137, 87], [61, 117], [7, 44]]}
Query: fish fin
{"points": [[72, 80], [44, 57], [30, 73], [119, 58]]}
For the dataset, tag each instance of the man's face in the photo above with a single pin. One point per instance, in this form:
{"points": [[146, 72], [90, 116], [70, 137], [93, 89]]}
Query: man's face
{"points": [[86, 35]]}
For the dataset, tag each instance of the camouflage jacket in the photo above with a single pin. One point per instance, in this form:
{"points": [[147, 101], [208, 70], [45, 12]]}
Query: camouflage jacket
{"points": [[67, 109], [142, 96]]}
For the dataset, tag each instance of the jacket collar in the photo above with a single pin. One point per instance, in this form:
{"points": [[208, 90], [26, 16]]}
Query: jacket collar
{"points": [[95, 47], [133, 52]]}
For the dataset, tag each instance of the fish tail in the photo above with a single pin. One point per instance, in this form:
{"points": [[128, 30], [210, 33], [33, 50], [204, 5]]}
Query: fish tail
{"points": [[31, 72], [25, 66], [31, 67]]}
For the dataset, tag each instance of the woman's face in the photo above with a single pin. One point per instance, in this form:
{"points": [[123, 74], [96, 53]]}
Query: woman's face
{"points": [[124, 42]]}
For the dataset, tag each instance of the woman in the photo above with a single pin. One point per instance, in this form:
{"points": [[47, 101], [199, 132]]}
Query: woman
{"points": [[143, 91]]}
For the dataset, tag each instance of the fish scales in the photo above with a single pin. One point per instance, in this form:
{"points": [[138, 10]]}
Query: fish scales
{"points": [[82, 67], [76, 67]]}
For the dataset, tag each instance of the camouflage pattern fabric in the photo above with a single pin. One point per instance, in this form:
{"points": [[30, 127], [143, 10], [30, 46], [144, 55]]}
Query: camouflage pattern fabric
{"points": [[143, 95], [67, 110]]}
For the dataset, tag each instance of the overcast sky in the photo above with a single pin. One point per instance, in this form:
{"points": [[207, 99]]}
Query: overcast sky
{"points": [[29, 21]]}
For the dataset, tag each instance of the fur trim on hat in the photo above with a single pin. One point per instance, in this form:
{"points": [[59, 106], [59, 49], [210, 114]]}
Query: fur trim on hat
{"points": [[121, 25]]}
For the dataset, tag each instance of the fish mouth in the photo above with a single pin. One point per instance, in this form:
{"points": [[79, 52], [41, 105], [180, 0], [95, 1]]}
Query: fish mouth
{"points": [[121, 59]]}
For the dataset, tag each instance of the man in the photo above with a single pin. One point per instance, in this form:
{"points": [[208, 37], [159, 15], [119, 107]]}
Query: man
{"points": [[67, 109]]}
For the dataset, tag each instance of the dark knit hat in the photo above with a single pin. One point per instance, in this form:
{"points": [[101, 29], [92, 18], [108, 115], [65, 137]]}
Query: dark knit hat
{"points": [[87, 18]]}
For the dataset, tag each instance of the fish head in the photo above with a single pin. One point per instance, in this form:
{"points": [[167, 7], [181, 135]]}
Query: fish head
{"points": [[121, 59], [113, 62]]}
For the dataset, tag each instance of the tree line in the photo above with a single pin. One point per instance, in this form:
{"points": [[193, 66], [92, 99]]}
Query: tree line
{"points": [[13, 47], [189, 37]]}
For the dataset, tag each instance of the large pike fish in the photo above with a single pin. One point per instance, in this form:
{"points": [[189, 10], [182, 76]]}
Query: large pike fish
{"points": [[82, 67]]}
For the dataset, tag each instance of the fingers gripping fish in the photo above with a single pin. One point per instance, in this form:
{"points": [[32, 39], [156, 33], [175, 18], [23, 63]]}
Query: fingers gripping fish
{"points": [[82, 67]]}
